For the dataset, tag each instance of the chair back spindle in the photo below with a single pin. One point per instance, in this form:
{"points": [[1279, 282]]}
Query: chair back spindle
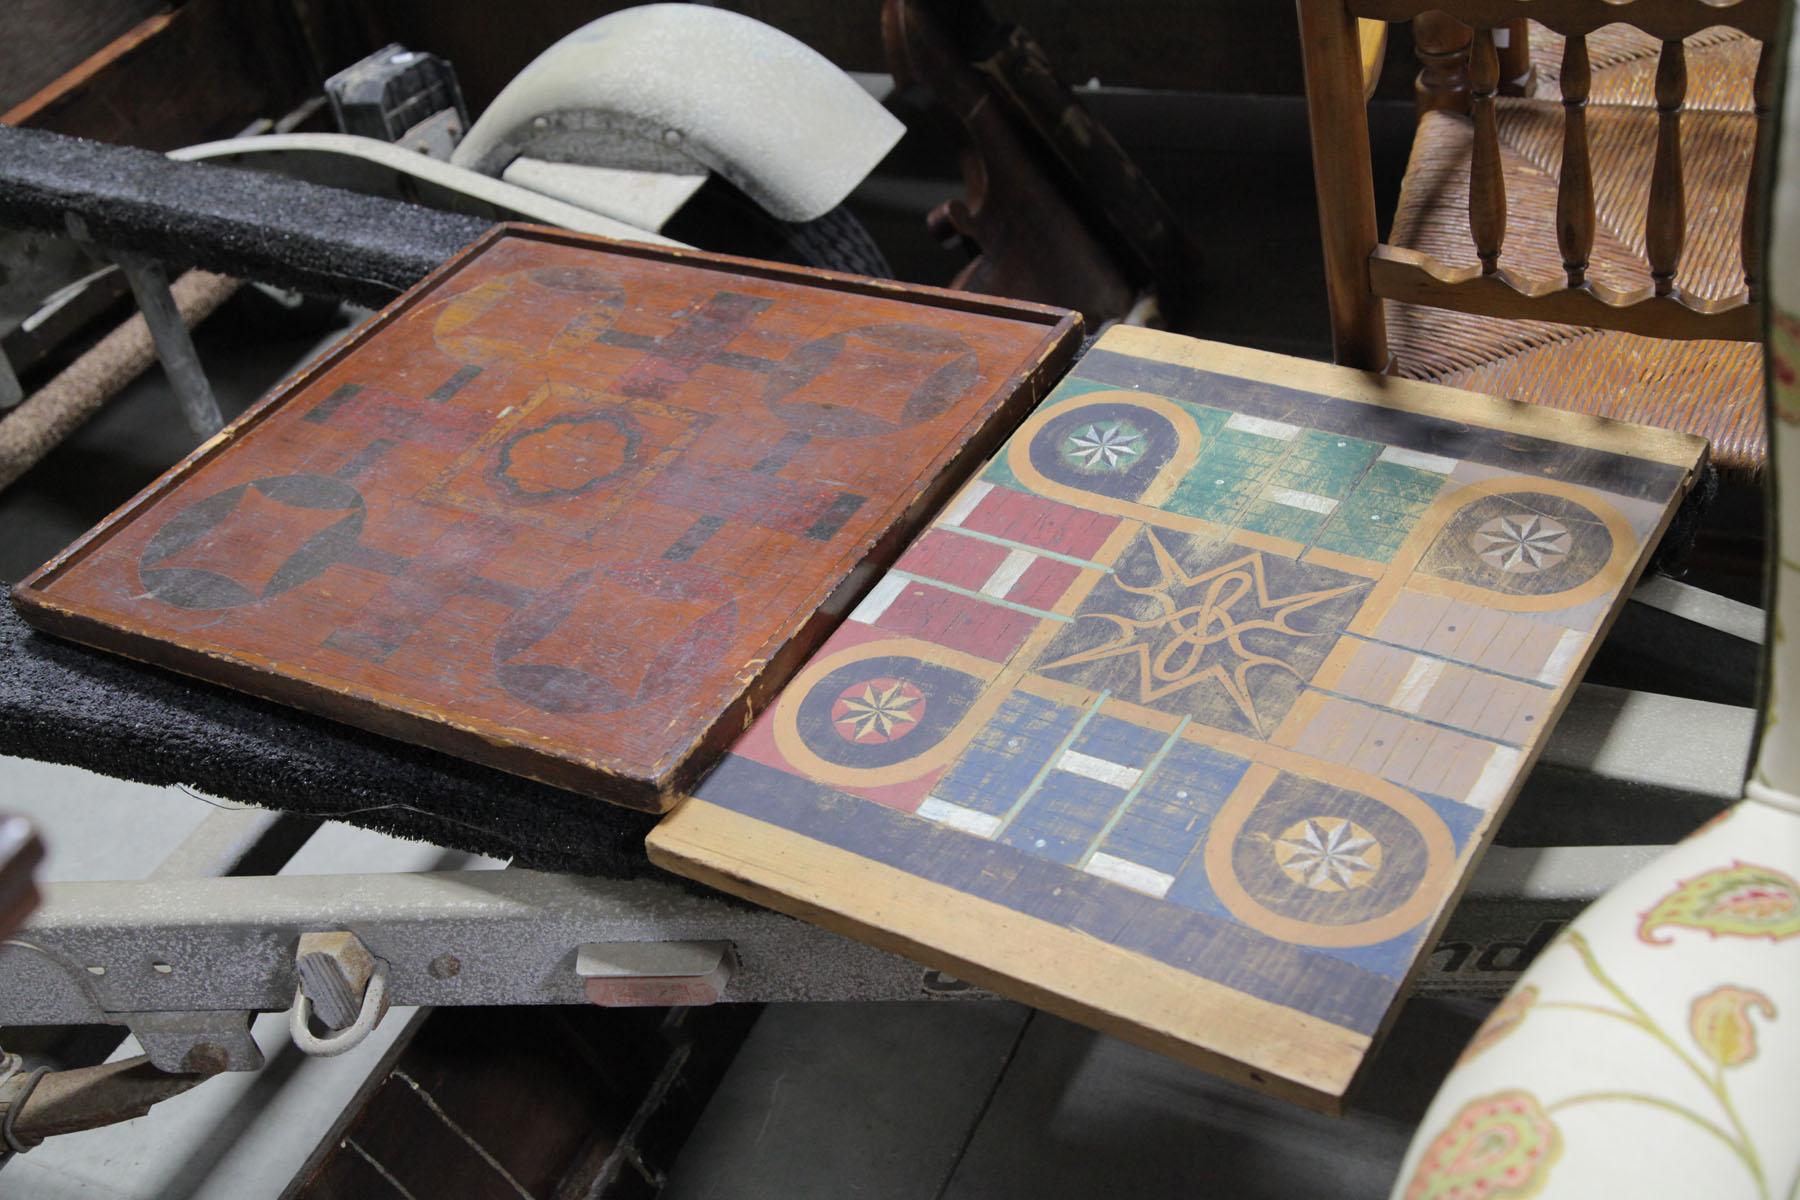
{"points": [[1575, 189], [1487, 190], [1665, 228]]}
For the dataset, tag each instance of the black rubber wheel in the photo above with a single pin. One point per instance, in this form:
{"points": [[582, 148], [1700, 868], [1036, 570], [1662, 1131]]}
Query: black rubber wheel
{"points": [[721, 218]]}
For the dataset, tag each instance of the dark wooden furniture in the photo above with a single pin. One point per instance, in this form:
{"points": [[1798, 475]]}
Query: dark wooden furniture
{"points": [[1189, 718], [1055, 210], [569, 507], [1586, 246]]}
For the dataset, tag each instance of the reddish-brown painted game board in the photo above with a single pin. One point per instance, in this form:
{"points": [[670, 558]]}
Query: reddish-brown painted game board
{"points": [[569, 507]]}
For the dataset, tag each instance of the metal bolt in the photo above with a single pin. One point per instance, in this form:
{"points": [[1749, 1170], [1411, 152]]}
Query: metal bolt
{"points": [[334, 971], [445, 966]]}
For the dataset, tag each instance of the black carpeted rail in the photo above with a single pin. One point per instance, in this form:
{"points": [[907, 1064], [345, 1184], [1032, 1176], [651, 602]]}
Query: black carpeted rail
{"points": [[323, 241], [65, 703]]}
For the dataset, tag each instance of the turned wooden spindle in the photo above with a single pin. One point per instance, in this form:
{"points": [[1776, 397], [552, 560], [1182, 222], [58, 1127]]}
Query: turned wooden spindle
{"points": [[1442, 44], [1575, 190], [1487, 191], [1753, 211], [1665, 227]]}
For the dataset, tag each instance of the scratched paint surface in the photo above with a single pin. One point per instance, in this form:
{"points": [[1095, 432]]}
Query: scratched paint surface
{"points": [[1227, 674], [569, 499]]}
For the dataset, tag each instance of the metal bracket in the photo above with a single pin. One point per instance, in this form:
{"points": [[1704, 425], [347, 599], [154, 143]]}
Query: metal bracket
{"points": [[652, 974]]}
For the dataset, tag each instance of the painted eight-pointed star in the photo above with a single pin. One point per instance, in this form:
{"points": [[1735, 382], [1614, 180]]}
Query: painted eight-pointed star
{"points": [[1104, 447], [878, 710], [1521, 543], [1328, 854]]}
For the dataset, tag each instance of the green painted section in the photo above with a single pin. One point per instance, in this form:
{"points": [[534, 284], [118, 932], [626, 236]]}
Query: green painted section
{"points": [[1227, 476], [1281, 520], [999, 474], [1326, 464], [1377, 516], [1378, 502]]}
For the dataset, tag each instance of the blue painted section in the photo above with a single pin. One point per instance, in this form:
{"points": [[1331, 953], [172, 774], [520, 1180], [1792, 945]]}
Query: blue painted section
{"points": [[1119, 741], [1007, 754], [1063, 817], [1320, 984], [1174, 807]]}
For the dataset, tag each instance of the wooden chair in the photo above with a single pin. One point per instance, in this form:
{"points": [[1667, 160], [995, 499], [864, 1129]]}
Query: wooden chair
{"points": [[1582, 245]]}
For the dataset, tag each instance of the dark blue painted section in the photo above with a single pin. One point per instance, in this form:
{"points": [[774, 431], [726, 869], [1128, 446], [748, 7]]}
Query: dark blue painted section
{"points": [[1063, 817], [1228, 953], [1007, 754], [1119, 741], [1174, 806], [1635, 477]]}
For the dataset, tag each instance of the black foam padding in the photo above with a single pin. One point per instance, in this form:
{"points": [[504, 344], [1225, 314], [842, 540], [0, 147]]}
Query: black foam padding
{"points": [[65, 703], [323, 241]]}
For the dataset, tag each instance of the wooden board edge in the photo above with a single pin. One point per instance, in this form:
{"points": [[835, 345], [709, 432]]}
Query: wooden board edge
{"points": [[413, 725], [1060, 970], [974, 303], [1428, 399]]}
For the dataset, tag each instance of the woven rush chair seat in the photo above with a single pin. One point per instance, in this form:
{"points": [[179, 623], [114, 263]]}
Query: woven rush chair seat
{"points": [[1721, 67], [1712, 388]]}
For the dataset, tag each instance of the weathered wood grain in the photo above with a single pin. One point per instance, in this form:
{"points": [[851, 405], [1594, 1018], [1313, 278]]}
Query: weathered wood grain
{"points": [[1189, 717], [570, 508]]}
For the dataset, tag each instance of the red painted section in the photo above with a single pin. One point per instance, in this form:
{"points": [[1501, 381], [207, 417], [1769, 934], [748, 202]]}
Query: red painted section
{"points": [[946, 619], [1042, 523]]}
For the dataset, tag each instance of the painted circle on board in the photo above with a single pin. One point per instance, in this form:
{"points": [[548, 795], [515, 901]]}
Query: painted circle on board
{"points": [[1321, 864], [1524, 542], [322, 521], [568, 455], [1110, 447], [1328, 854], [879, 709]]}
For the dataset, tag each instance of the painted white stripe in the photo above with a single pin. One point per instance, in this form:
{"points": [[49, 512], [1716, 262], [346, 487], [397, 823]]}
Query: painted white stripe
{"points": [[1437, 464], [1117, 774], [1562, 658], [1132, 875], [1410, 695], [1007, 573], [957, 817], [965, 502], [880, 596], [1262, 427], [1307, 500], [1495, 779], [972, 594]]}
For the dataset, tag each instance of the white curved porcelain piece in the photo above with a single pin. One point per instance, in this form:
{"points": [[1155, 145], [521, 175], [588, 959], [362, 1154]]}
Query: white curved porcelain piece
{"points": [[1652, 1050], [666, 86]]}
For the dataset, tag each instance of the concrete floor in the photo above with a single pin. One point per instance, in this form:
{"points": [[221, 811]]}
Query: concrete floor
{"points": [[952, 1100]]}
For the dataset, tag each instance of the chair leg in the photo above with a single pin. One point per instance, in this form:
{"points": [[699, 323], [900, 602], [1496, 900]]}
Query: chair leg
{"points": [[1343, 180]]}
